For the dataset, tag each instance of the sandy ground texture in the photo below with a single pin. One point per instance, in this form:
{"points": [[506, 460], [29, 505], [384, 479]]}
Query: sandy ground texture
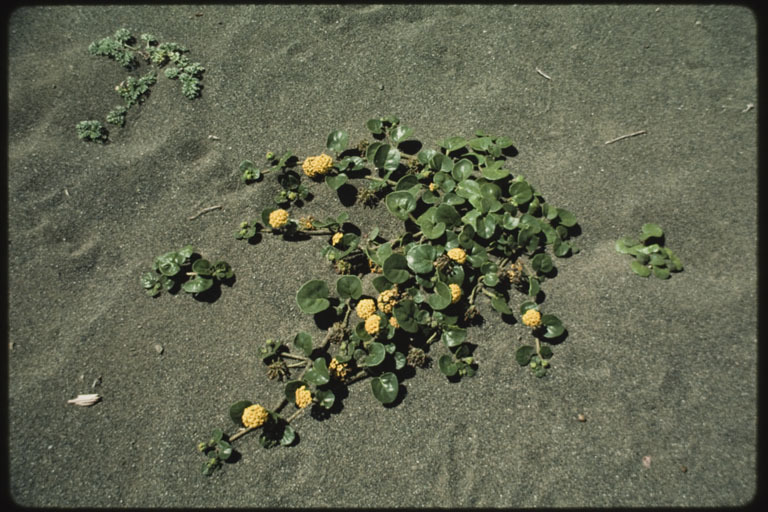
{"points": [[664, 371]]}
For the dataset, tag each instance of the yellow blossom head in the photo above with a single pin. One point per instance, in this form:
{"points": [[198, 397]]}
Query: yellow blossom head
{"points": [[337, 238], [432, 187], [254, 416], [365, 308], [337, 370], [455, 292], [278, 218], [393, 322], [317, 165], [532, 318], [387, 300], [458, 255], [303, 397], [372, 325]]}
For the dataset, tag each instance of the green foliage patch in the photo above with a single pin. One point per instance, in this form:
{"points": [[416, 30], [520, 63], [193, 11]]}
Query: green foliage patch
{"points": [[123, 48], [650, 255]]}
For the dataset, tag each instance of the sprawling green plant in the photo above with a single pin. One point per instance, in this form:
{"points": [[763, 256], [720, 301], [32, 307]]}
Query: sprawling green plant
{"points": [[650, 255], [469, 229], [186, 269], [122, 48]]}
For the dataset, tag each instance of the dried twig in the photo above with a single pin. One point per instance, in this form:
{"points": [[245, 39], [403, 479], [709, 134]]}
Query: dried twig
{"points": [[543, 74], [634, 134], [205, 210]]}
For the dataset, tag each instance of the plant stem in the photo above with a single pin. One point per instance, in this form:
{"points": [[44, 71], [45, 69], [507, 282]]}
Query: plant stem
{"points": [[293, 356]]}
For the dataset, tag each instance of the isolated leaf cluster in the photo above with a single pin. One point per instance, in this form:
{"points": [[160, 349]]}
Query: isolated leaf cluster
{"points": [[650, 255], [185, 269], [123, 48]]}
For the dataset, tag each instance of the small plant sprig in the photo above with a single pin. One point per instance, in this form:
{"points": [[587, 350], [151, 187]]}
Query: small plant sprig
{"points": [[92, 131], [122, 47], [650, 255], [186, 269]]}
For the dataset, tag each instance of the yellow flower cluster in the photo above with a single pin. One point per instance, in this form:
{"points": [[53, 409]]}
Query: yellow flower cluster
{"points": [[432, 187], [532, 318], [338, 370], [317, 165], [455, 292], [303, 397], [254, 416], [393, 322], [278, 218], [365, 308], [458, 255], [337, 238], [372, 325], [388, 299]]}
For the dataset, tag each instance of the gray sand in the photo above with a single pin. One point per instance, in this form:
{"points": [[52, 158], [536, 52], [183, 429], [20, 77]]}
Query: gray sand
{"points": [[665, 369]]}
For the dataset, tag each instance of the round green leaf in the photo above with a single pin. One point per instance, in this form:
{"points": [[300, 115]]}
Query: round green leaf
{"points": [[202, 267], [542, 263], [448, 215], [520, 192], [385, 387], [553, 324], [288, 435], [168, 264], [236, 411], [400, 133], [651, 230], [567, 219], [395, 268], [376, 355], [325, 397], [495, 171], [312, 297], [318, 374], [439, 162], [441, 299], [405, 313], [524, 354], [447, 365], [462, 169], [560, 248], [640, 269], [303, 342], [624, 244], [453, 143], [420, 258], [336, 182], [400, 360], [337, 141], [485, 226], [400, 203], [197, 284], [500, 305], [349, 287], [454, 337], [375, 126], [661, 273]]}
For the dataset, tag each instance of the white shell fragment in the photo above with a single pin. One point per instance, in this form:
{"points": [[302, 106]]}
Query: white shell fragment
{"points": [[85, 400]]}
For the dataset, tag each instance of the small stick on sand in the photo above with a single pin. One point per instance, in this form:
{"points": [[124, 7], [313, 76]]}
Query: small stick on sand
{"points": [[543, 74], [204, 210], [634, 134]]}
